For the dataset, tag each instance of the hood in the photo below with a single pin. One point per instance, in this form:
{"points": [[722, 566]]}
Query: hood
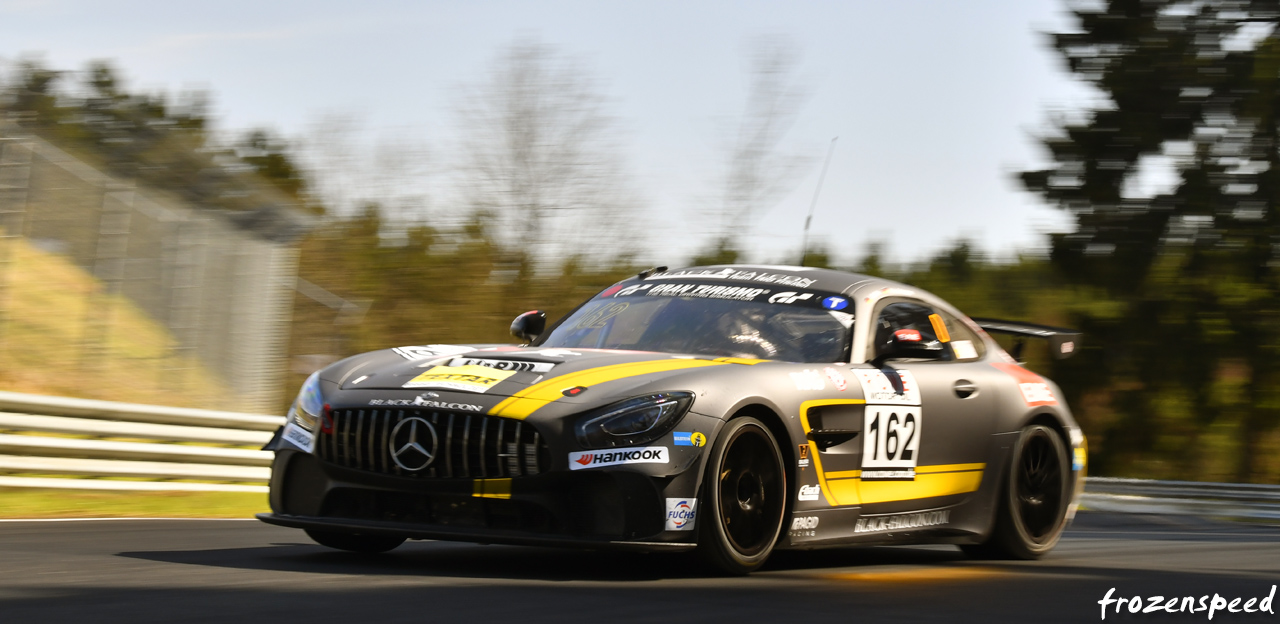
{"points": [[506, 371]]}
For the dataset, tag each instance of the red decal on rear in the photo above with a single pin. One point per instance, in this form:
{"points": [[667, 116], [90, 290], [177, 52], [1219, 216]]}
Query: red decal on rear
{"points": [[1033, 387]]}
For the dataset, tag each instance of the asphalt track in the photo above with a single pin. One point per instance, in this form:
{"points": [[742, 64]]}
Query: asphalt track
{"points": [[238, 571]]}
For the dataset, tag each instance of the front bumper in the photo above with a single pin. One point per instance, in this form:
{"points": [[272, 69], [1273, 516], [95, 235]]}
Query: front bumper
{"points": [[587, 508]]}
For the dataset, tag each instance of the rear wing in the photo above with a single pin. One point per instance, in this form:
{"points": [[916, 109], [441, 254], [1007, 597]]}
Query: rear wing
{"points": [[1063, 343]]}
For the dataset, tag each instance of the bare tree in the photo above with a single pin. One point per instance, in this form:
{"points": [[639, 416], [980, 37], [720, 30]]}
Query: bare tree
{"points": [[760, 170], [350, 171], [541, 158]]}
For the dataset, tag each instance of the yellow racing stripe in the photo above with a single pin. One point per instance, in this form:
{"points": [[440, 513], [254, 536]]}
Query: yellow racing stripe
{"points": [[827, 493], [525, 402], [925, 485]]}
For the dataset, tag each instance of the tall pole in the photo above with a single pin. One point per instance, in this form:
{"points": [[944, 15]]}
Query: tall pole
{"points": [[804, 244]]}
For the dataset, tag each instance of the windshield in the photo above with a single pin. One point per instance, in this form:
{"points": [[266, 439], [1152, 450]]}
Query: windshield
{"points": [[712, 319]]}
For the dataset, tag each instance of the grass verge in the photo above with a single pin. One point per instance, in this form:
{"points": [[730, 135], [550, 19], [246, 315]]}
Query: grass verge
{"points": [[57, 503]]}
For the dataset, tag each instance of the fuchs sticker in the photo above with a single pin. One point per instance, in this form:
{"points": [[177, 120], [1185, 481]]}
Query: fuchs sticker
{"points": [[511, 365], [809, 493], [877, 388], [597, 459], [299, 437], [902, 522], [429, 351], [836, 378], [470, 378], [681, 513]]}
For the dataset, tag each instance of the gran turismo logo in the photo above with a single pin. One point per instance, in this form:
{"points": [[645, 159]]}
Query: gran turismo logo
{"points": [[413, 444]]}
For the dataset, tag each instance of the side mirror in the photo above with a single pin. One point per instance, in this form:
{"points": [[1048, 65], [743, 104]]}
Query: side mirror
{"points": [[529, 326], [909, 343]]}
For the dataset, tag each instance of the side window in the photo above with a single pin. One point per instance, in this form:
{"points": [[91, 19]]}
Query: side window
{"points": [[966, 345], [904, 315]]}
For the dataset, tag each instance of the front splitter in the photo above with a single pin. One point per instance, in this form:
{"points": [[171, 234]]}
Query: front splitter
{"points": [[417, 531]]}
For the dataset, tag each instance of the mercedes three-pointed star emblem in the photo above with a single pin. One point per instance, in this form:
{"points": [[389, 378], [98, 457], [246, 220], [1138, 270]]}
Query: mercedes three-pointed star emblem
{"points": [[413, 444]]}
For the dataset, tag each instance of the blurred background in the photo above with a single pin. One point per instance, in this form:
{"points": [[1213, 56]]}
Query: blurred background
{"points": [[199, 206]]}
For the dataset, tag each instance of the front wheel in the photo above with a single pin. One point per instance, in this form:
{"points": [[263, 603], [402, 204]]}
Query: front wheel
{"points": [[744, 493], [1033, 505], [355, 542]]}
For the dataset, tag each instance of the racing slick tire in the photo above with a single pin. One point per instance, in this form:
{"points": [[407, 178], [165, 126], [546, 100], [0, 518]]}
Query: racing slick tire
{"points": [[1034, 499], [745, 497], [355, 542]]}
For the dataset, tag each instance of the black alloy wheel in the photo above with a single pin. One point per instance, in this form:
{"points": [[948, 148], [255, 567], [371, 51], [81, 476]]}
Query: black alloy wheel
{"points": [[1033, 505], [1041, 489], [745, 492]]}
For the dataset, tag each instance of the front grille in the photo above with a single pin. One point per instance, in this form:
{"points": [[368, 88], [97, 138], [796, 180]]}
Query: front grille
{"points": [[470, 446]]}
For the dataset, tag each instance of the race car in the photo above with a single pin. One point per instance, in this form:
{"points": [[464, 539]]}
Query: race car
{"points": [[731, 409]]}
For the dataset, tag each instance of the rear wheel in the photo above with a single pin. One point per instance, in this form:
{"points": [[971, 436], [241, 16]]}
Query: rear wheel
{"points": [[355, 542], [745, 491], [1033, 505]]}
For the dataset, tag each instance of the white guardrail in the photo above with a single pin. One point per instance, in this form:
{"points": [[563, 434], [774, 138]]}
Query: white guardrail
{"points": [[127, 446], [103, 445]]}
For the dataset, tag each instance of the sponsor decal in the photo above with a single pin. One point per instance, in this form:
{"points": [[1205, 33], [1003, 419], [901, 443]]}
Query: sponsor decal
{"points": [[511, 365], [685, 438], [902, 522], [790, 297], [803, 456], [1037, 394], [1068, 347], [793, 281], [429, 351], [1033, 387], [907, 335], [681, 513], [596, 459], [703, 291], [804, 526], [424, 400], [877, 388], [808, 379], [610, 291], [835, 303], [300, 437], [1079, 459], [809, 493], [964, 350], [836, 378], [574, 391], [465, 378]]}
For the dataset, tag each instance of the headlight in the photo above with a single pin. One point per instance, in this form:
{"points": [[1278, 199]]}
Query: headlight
{"points": [[633, 421], [309, 405]]}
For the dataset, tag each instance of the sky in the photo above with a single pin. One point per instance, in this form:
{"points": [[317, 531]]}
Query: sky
{"points": [[937, 104]]}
